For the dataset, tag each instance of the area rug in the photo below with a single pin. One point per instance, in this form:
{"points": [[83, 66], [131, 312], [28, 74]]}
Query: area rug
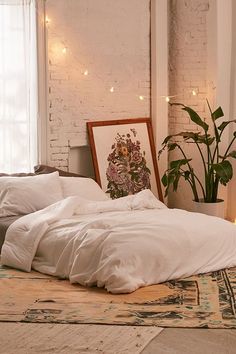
{"points": [[206, 300]]}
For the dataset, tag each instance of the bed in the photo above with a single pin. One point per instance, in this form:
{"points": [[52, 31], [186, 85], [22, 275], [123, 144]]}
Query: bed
{"points": [[120, 244], [5, 222]]}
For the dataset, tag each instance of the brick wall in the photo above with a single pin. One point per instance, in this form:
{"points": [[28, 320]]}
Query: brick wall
{"points": [[188, 59], [109, 40], [187, 73]]}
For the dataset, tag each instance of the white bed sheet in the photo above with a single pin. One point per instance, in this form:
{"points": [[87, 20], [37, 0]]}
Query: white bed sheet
{"points": [[121, 245]]}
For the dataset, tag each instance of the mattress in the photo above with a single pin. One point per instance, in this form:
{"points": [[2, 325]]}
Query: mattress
{"points": [[5, 222]]}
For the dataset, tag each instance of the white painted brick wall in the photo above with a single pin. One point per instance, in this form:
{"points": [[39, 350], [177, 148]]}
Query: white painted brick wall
{"points": [[187, 72], [108, 38], [187, 59]]}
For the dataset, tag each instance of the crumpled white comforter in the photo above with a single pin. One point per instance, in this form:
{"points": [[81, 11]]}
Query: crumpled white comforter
{"points": [[120, 244]]}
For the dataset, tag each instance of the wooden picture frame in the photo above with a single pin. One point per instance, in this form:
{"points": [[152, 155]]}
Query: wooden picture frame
{"points": [[124, 156]]}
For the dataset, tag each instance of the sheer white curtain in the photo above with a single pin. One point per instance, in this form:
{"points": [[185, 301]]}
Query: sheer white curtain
{"points": [[18, 86]]}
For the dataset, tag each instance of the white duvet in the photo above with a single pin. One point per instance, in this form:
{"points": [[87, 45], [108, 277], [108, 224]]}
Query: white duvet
{"points": [[120, 244]]}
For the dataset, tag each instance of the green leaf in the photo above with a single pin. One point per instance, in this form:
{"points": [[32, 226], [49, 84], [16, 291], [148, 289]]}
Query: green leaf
{"points": [[224, 171], [164, 180], [176, 104], [224, 124], [190, 135], [161, 151], [210, 140], [176, 182], [196, 137], [186, 175], [185, 135], [217, 114], [196, 118], [166, 192], [172, 146], [178, 163], [170, 180], [165, 141], [205, 139], [232, 154]]}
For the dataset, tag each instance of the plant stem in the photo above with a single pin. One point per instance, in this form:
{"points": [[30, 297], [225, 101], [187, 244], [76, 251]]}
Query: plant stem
{"points": [[210, 158], [212, 181], [200, 183], [216, 150], [226, 152], [203, 160], [189, 180], [203, 192], [194, 188], [215, 190], [205, 170], [208, 175]]}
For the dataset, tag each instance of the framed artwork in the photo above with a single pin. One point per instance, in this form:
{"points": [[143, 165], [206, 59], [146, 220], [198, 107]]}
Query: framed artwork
{"points": [[124, 156]]}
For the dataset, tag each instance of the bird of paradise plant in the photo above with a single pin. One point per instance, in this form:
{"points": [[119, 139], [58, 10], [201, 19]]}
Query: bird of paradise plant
{"points": [[217, 167]]}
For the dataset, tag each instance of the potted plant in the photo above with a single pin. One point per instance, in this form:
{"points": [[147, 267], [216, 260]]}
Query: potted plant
{"points": [[216, 165]]}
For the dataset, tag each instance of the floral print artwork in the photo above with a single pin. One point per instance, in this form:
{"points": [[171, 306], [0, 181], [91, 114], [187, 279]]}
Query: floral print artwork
{"points": [[127, 172]]}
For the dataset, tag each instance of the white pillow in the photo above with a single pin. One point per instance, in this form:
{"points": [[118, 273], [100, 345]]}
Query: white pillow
{"points": [[24, 195], [83, 187]]}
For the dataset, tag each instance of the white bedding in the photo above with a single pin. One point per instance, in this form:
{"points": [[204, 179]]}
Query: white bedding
{"points": [[120, 244]]}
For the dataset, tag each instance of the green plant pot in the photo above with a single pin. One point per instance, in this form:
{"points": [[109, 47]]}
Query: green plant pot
{"points": [[213, 209]]}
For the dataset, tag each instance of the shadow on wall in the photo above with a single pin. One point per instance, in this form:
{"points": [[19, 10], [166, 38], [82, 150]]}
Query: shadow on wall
{"points": [[80, 161]]}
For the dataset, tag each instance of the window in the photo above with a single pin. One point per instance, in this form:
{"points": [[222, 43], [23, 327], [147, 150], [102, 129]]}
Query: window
{"points": [[18, 86]]}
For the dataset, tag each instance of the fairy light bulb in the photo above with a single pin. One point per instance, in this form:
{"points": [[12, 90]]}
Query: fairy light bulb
{"points": [[168, 98], [86, 72], [194, 93], [64, 50], [141, 98], [112, 89], [235, 221], [47, 20]]}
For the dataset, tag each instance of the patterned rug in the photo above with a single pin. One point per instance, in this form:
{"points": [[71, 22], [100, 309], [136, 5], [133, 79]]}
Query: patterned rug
{"points": [[206, 300]]}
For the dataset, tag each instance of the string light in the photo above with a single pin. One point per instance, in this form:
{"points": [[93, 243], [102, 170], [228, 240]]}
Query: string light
{"points": [[63, 49], [167, 98], [47, 20], [194, 92]]}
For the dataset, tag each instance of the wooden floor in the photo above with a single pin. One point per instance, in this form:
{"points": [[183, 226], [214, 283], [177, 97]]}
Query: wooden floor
{"points": [[48, 338], [193, 341], [29, 338]]}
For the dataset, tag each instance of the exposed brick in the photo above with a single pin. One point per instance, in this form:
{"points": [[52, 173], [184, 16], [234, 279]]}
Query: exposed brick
{"points": [[188, 70], [88, 29], [187, 52], [60, 142]]}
